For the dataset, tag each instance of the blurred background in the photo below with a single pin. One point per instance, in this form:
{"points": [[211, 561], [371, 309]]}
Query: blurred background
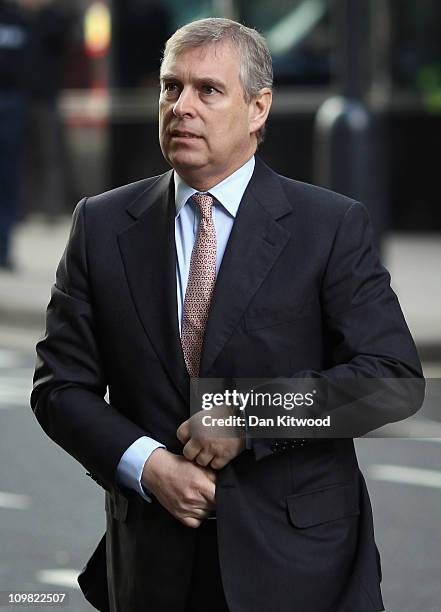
{"points": [[357, 108]]}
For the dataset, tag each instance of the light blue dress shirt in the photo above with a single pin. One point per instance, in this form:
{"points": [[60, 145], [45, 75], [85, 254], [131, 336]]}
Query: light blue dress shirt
{"points": [[228, 195]]}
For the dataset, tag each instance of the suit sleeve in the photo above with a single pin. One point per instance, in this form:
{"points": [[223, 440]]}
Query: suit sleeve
{"points": [[70, 381], [365, 335]]}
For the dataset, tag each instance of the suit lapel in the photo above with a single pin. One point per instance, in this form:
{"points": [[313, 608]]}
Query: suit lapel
{"points": [[255, 243], [149, 255]]}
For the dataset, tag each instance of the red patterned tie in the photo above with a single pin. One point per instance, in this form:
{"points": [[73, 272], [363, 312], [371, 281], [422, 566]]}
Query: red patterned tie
{"points": [[201, 281]]}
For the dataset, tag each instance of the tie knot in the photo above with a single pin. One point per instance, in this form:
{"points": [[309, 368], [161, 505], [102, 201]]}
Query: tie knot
{"points": [[205, 202]]}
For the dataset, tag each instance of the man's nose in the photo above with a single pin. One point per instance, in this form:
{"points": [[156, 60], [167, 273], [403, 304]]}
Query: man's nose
{"points": [[185, 104]]}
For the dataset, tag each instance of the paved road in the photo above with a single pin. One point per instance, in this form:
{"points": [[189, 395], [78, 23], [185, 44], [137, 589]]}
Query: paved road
{"points": [[51, 514], [407, 517]]}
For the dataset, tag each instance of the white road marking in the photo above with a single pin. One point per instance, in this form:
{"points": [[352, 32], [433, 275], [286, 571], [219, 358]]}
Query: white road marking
{"points": [[19, 376], [59, 577], [405, 475], [19, 386], [14, 393], [14, 501]]}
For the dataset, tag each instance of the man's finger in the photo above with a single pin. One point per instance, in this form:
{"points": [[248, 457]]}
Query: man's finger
{"points": [[190, 522], [211, 474], [199, 513], [208, 492], [204, 458], [191, 449], [183, 432], [217, 463]]}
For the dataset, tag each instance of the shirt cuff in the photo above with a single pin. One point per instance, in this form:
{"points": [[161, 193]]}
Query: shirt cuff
{"points": [[131, 465]]}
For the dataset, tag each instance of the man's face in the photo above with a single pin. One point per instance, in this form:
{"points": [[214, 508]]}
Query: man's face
{"points": [[204, 121]]}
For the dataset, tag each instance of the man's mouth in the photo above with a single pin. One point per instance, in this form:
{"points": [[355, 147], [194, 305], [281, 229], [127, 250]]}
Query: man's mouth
{"points": [[183, 134]]}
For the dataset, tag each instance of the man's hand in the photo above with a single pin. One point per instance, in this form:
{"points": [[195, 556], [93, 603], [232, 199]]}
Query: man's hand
{"points": [[214, 451], [184, 489]]}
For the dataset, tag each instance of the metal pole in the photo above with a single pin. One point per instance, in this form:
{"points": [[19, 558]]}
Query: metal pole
{"points": [[347, 157]]}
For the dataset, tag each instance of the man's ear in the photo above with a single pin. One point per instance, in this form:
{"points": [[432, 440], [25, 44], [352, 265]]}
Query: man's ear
{"points": [[259, 109]]}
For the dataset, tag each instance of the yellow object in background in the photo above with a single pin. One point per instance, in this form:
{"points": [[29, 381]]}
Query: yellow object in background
{"points": [[97, 29]]}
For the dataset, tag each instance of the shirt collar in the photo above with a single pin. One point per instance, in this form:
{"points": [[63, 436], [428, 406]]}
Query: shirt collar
{"points": [[228, 192]]}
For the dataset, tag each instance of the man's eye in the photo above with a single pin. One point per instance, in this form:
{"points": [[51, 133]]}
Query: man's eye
{"points": [[170, 86], [208, 89]]}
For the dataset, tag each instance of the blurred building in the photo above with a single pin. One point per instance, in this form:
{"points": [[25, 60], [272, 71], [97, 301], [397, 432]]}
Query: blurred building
{"points": [[110, 98]]}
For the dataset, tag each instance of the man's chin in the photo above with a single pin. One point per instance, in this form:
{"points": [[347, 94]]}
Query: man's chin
{"points": [[186, 161]]}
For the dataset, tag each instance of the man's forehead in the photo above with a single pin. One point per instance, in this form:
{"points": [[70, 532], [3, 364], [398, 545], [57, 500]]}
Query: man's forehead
{"points": [[222, 49]]}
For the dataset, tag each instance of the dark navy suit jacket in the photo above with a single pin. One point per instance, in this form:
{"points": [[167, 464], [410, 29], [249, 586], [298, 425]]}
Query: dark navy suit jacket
{"points": [[300, 290]]}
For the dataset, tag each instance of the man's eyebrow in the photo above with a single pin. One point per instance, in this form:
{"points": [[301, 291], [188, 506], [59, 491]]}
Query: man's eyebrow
{"points": [[168, 76], [211, 81], [208, 80]]}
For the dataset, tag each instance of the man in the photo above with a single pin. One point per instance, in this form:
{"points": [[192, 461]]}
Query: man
{"points": [[51, 29], [14, 55], [219, 269]]}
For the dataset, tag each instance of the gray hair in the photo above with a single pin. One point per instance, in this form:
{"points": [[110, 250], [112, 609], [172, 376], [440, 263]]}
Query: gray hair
{"points": [[255, 67]]}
